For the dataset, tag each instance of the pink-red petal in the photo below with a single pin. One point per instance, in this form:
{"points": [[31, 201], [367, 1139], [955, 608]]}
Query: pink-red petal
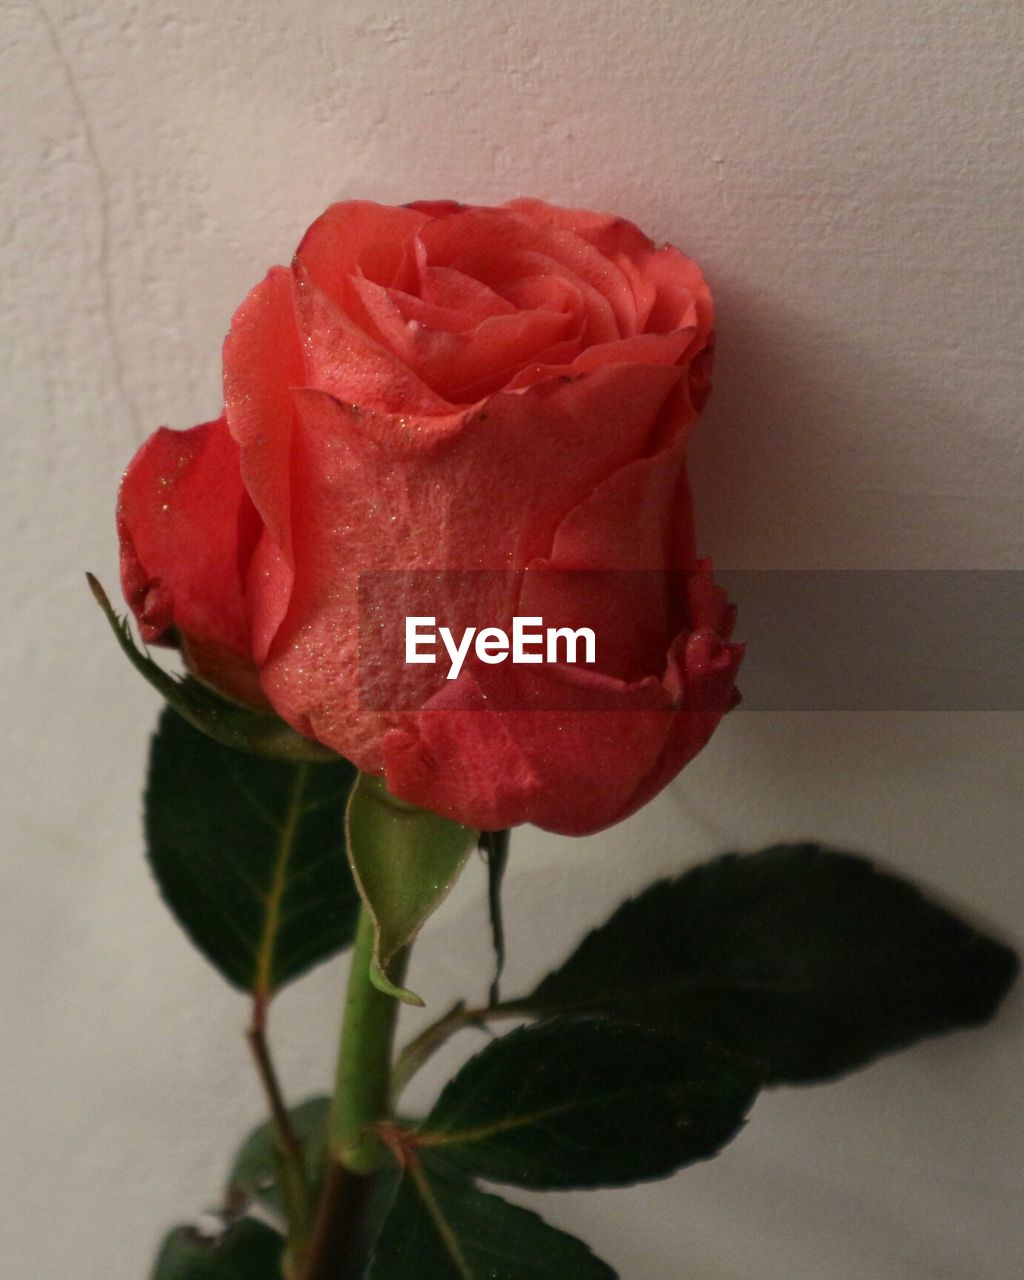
{"points": [[480, 491], [262, 363], [187, 531]]}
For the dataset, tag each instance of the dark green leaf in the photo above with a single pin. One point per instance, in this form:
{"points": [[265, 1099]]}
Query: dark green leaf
{"points": [[249, 1250], [808, 961], [588, 1103], [256, 732], [442, 1228], [405, 860], [249, 855], [254, 1174]]}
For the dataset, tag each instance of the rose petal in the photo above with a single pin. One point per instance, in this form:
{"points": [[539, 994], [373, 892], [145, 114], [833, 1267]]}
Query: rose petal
{"points": [[701, 677], [262, 362], [481, 358], [645, 290], [187, 530], [648, 348], [455, 293], [622, 587], [609, 747], [359, 237], [495, 244], [484, 491], [610, 234], [436, 208], [410, 308], [573, 771], [342, 359], [680, 298], [683, 298], [269, 589], [547, 292]]}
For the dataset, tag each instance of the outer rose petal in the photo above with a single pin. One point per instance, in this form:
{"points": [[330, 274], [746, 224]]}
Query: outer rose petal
{"points": [[269, 589], [617, 738], [575, 770], [626, 590], [262, 363], [188, 530], [702, 676], [571, 771], [683, 297], [479, 491]]}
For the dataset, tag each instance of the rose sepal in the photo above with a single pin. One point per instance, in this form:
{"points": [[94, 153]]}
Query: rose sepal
{"points": [[229, 723], [405, 861]]}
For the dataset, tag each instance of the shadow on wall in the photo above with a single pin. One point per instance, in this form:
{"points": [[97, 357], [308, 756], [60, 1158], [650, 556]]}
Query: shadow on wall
{"points": [[816, 453]]}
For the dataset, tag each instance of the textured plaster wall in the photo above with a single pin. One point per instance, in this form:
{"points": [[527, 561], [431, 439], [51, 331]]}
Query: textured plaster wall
{"points": [[850, 177]]}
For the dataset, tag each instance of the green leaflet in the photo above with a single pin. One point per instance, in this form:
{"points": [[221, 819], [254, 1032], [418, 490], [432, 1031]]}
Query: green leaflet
{"points": [[248, 1250], [249, 855], [588, 1103], [254, 1177], [441, 1227], [803, 960]]}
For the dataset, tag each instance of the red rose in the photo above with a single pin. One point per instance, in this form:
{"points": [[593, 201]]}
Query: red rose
{"points": [[442, 386]]}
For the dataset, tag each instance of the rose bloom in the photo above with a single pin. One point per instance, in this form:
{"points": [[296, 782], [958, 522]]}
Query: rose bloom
{"points": [[450, 387]]}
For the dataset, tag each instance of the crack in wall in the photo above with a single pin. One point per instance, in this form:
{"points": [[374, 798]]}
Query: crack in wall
{"points": [[104, 205]]}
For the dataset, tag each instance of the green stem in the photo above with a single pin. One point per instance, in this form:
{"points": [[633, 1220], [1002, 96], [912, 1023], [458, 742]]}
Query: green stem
{"points": [[360, 1100], [404, 860], [364, 1061], [421, 1049], [424, 1046]]}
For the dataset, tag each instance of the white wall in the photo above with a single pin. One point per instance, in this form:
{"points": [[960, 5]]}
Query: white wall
{"points": [[849, 175]]}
